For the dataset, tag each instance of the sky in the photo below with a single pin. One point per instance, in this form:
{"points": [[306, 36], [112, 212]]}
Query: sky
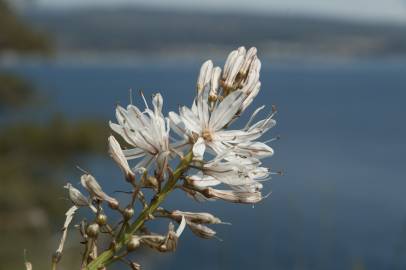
{"points": [[382, 10]]}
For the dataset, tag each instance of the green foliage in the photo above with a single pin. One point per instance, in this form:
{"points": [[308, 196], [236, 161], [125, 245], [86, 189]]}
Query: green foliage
{"points": [[14, 91], [15, 35]]}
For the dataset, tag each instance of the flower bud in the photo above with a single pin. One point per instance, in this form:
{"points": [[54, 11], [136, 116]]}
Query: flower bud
{"points": [[128, 213], [204, 75], [149, 182], [134, 243], [114, 204], [101, 219], [95, 190], [92, 230], [249, 57], [118, 156], [214, 83]]}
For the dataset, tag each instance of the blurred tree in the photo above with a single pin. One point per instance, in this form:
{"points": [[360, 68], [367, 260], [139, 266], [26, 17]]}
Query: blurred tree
{"points": [[33, 155], [15, 35], [14, 91]]}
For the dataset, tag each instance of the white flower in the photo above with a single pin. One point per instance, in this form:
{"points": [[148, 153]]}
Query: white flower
{"points": [[147, 131], [239, 173], [235, 196], [205, 128], [204, 124]]}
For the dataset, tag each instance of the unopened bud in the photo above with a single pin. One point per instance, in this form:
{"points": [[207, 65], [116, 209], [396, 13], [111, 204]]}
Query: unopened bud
{"points": [[128, 213], [93, 230], [204, 75], [118, 156], [214, 83], [133, 244], [101, 219], [114, 204], [249, 57], [149, 182]]}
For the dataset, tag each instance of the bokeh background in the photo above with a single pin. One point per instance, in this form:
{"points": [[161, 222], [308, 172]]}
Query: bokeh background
{"points": [[335, 69]]}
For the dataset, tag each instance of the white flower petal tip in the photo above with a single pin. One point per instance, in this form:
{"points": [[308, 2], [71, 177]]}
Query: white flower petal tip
{"points": [[181, 227]]}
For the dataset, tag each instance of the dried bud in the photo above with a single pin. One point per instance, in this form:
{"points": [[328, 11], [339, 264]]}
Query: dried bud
{"points": [[165, 243], [28, 266], [205, 218], [171, 240], [113, 204], [56, 257], [201, 230], [134, 243], [204, 75], [118, 156], [93, 230], [77, 198], [95, 190], [101, 219], [128, 213], [135, 266]]}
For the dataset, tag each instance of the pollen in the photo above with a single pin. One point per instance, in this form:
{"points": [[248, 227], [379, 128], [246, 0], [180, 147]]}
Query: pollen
{"points": [[207, 135]]}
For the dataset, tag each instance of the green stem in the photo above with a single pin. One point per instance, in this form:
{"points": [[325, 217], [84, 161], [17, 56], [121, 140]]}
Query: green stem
{"points": [[107, 256]]}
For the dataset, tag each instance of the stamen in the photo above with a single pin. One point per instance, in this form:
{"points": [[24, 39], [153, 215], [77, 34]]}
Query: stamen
{"points": [[131, 95], [143, 98]]}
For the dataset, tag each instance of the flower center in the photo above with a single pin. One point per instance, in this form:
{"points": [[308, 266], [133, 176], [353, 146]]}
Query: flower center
{"points": [[207, 136]]}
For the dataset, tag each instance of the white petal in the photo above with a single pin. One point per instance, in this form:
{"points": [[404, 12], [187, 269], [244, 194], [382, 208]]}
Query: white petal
{"points": [[253, 116], [203, 107], [200, 180], [229, 63], [181, 227], [223, 114], [251, 97], [214, 82], [177, 125], [254, 149], [133, 153], [199, 148], [190, 120], [157, 102]]}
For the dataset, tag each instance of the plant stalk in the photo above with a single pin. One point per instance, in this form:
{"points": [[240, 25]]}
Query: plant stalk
{"points": [[107, 256]]}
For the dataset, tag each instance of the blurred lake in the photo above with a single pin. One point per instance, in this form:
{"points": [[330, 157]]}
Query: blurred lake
{"points": [[341, 203]]}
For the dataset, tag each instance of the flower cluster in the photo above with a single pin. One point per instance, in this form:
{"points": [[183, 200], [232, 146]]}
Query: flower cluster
{"points": [[215, 161], [221, 154]]}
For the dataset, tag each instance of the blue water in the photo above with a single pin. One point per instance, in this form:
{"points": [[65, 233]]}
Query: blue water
{"points": [[341, 203]]}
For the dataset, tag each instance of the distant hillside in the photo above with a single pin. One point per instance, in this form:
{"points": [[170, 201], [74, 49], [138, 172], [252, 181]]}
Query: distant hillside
{"points": [[144, 30]]}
